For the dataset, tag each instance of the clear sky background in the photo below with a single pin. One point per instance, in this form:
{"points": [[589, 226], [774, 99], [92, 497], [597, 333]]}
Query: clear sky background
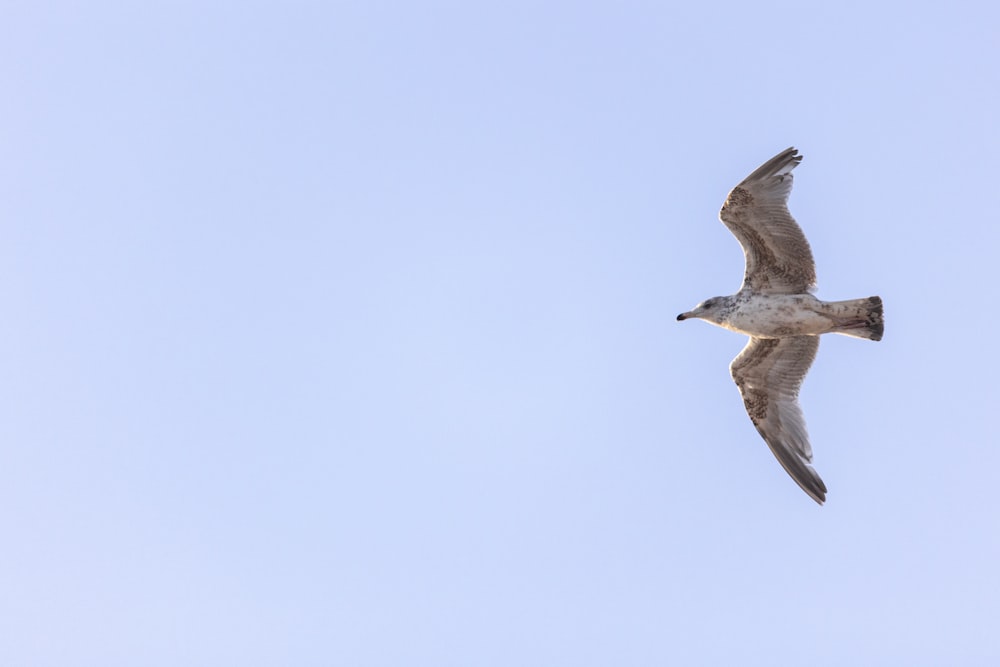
{"points": [[344, 334]]}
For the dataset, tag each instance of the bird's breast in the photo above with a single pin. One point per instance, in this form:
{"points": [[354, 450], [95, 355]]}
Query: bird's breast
{"points": [[778, 316]]}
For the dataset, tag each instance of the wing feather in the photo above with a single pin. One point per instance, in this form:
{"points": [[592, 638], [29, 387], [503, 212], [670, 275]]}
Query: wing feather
{"points": [[778, 257], [769, 372]]}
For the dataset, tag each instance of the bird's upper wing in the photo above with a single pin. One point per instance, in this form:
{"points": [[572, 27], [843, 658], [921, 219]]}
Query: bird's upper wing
{"points": [[777, 254], [769, 372]]}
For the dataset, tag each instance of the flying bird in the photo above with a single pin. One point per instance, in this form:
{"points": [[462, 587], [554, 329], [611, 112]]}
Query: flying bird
{"points": [[783, 319]]}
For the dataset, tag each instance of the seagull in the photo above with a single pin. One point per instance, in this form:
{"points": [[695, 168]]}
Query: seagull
{"points": [[776, 309]]}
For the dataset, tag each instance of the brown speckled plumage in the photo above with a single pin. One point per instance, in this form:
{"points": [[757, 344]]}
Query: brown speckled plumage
{"points": [[778, 257], [784, 321], [782, 363]]}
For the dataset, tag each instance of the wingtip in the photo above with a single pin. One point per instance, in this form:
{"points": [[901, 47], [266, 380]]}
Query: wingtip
{"points": [[813, 486], [799, 468], [780, 165], [810, 482]]}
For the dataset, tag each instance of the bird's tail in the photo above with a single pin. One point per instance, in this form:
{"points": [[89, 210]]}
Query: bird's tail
{"points": [[860, 318]]}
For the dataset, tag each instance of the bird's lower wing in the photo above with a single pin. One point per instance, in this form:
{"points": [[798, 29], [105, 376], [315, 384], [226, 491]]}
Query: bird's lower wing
{"points": [[769, 372]]}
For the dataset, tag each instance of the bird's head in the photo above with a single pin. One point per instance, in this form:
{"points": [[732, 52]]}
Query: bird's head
{"points": [[709, 310]]}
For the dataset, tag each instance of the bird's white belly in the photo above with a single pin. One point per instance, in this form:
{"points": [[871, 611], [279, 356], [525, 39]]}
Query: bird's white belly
{"points": [[779, 315]]}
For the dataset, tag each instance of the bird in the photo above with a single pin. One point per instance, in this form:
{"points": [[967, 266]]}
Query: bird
{"points": [[776, 309]]}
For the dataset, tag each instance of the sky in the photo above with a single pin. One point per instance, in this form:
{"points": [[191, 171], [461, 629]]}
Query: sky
{"points": [[344, 334]]}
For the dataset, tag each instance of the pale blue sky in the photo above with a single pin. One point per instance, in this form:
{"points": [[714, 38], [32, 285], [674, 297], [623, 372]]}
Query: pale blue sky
{"points": [[343, 334]]}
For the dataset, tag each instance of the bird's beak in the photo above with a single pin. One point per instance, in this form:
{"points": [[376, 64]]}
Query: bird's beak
{"points": [[683, 316]]}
